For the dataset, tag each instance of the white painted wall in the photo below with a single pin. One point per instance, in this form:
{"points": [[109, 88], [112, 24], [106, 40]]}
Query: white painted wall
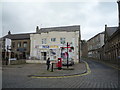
{"points": [[36, 39]]}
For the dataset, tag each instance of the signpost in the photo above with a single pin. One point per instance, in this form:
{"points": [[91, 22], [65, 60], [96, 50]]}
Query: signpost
{"points": [[67, 55], [68, 46]]}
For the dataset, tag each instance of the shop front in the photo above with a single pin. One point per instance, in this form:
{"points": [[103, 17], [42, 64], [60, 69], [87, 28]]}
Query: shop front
{"points": [[45, 51], [53, 52]]}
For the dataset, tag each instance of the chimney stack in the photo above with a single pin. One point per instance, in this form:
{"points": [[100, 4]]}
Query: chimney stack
{"points": [[105, 25], [37, 29], [9, 33]]}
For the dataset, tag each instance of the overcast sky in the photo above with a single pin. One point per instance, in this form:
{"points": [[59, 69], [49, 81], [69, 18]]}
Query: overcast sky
{"points": [[22, 17]]}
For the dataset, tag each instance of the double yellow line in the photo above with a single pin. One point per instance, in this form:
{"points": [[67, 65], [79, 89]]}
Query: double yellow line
{"points": [[87, 67]]}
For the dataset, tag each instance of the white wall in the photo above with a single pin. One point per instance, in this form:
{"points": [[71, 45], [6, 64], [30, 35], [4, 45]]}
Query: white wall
{"points": [[36, 39]]}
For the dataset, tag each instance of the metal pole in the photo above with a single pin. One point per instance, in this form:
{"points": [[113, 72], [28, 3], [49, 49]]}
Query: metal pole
{"points": [[52, 68], [5, 55], [9, 57], [61, 52], [9, 54], [67, 55]]}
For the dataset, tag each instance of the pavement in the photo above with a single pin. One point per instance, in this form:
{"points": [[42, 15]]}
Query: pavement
{"points": [[77, 69], [40, 70]]}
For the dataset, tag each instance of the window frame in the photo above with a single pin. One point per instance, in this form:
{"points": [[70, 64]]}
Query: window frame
{"points": [[44, 41], [25, 44], [62, 40], [53, 39]]}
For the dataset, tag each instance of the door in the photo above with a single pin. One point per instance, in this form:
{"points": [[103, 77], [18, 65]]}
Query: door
{"points": [[43, 55]]}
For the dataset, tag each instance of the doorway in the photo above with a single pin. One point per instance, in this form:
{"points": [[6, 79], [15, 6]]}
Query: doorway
{"points": [[43, 55]]}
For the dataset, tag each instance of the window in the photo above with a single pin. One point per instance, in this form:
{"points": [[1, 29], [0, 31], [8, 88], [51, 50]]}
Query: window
{"points": [[13, 44], [19, 44], [25, 44], [44, 41], [62, 40], [53, 39]]}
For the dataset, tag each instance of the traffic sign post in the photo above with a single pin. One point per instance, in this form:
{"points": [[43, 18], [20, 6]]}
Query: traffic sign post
{"points": [[67, 56]]}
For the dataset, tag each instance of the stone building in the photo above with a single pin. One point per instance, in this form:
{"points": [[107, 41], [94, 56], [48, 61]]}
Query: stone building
{"points": [[112, 44], [111, 49], [84, 49], [1, 42], [20, 45], [109, 44], [94, 45], [52, 42]]}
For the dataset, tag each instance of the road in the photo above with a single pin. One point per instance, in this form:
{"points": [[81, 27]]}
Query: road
{"points": [[101, 76]]}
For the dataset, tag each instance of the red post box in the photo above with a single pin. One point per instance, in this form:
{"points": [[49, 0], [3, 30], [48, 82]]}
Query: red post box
{"points": [[59, 63]]}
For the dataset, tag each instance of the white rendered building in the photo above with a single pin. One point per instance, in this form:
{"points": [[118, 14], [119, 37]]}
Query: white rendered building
{"points": [[48, 42]]}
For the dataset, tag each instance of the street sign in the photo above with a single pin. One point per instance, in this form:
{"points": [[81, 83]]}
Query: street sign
{"points": [[7, 44]]}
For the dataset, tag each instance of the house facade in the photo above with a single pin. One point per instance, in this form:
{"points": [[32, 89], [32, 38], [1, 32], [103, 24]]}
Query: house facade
{"points": [[52, 42], [112, 44], [20, 46], [111, 50], [94, 44]]}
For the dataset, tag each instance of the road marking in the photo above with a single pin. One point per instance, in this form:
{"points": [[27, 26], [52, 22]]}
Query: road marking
{"points": [[87, 67]]}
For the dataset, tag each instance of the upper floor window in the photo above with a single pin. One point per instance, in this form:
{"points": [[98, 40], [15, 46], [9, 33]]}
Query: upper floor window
{"points": [[13, 44], [44, 41], [53, 39], [25, 44], [62, 40], [19, 44]]}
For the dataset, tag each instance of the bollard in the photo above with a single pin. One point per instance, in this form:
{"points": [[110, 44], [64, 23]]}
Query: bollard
{"points": [[52, 68]]}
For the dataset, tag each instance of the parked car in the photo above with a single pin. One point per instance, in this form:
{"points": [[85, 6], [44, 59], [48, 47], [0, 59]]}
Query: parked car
{"points": [[70, 62], [12, 59]]}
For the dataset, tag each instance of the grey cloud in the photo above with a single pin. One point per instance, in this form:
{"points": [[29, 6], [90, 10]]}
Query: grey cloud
{"points": [[24, 17]]}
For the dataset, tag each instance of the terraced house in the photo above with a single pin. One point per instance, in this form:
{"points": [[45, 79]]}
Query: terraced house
{"points": [[52, 42]]}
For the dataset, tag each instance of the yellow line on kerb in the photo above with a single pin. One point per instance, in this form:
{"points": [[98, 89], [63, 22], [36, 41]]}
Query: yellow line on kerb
{"points": [[88, 72]]}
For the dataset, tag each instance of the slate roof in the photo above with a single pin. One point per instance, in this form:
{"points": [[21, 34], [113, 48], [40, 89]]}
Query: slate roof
{"points": [[18, 36], [96, 35], [62, 28], [111, 30]]}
